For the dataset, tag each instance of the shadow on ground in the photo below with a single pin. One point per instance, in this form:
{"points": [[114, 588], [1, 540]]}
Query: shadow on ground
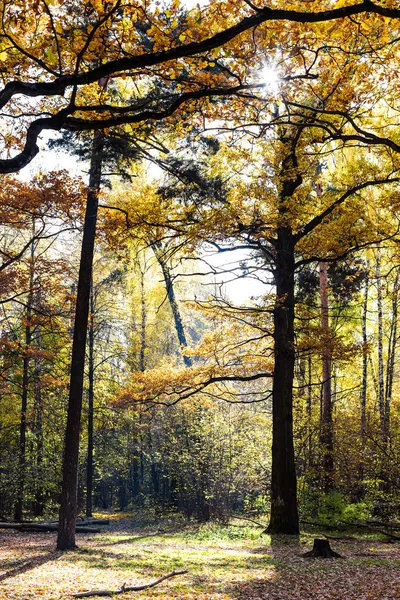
{"points": [[26, 566]]}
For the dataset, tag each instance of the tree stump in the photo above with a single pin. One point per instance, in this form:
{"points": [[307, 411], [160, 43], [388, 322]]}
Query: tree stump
{"points": [[321, 549]]}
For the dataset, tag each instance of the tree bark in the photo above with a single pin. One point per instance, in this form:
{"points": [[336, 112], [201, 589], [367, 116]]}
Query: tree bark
{"points": [[18, 512], [392, 343], [143, 320], [38, 425], [364, 384], [284, 515], [381, 386], [89, 466], [284, 518], [326, 412], [309, 426], [137, 460], [68, 508]]}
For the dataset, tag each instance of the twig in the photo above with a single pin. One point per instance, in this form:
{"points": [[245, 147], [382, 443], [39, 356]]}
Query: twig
{"points": [[127, 588]]}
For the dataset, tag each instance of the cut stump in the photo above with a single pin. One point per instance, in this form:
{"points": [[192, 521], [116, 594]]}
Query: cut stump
{"points": [[321, 549]]}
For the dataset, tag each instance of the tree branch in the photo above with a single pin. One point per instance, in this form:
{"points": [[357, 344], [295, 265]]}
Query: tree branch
{"points": [[62, 119], [311, 225], [128, 588], [147, 60]]}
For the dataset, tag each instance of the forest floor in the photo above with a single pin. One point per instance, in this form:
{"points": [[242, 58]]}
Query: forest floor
{"points": [[223, 563]]}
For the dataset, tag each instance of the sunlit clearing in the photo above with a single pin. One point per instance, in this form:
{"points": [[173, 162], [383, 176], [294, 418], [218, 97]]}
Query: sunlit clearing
{"points": [[269, 77]]}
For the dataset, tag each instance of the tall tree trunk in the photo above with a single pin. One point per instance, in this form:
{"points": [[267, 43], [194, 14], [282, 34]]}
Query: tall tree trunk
{"points": [[68, 507], [364, 384], [309, 411], [18, 511], [72, 308], [138, 460], [381, 385], [326, 412], [137, 469], [23, 420], [169, 285], [143, 319], [392, 342], [364, 389], [284, 514], [89, 466], [38, 424]]}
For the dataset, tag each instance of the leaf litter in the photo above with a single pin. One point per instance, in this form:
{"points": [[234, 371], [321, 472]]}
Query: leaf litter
{"points": [[222, 563]]}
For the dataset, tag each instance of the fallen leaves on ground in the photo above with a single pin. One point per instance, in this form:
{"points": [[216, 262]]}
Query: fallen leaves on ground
{"points": [[223, 563]]}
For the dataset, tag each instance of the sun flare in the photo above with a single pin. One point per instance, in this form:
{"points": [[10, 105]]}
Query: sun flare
{"points": [[269, 77]]}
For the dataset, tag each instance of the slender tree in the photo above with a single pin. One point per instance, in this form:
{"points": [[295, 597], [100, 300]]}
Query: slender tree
{"points": [[364, 382], [160, 254], [68, 506], [381, 375], [18, 513], [326, 408]]}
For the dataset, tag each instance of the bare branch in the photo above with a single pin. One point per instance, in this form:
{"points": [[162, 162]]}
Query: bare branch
{"points": [[128, 588]]}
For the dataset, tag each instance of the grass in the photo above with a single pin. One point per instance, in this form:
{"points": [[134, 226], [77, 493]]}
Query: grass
{"points": [[223, 563]]}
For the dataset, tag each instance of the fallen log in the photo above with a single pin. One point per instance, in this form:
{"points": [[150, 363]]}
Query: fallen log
{"points": [[97, 521], [334, 527], [85, 522], [349, 538], [384, 524], [375, 529], [9, 525], [81, 522], [127, 588], [345, 526], [41, 527], [32, 527]]}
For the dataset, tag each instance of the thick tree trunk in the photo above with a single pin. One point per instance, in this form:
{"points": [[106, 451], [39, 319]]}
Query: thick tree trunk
{"points": [[68, 508], [72, 307], [89, 466], [326, 412], [284, 514], [169, 285]]}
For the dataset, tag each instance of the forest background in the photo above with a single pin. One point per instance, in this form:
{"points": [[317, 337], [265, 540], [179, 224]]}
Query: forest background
{"points": [[231, 129]]}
